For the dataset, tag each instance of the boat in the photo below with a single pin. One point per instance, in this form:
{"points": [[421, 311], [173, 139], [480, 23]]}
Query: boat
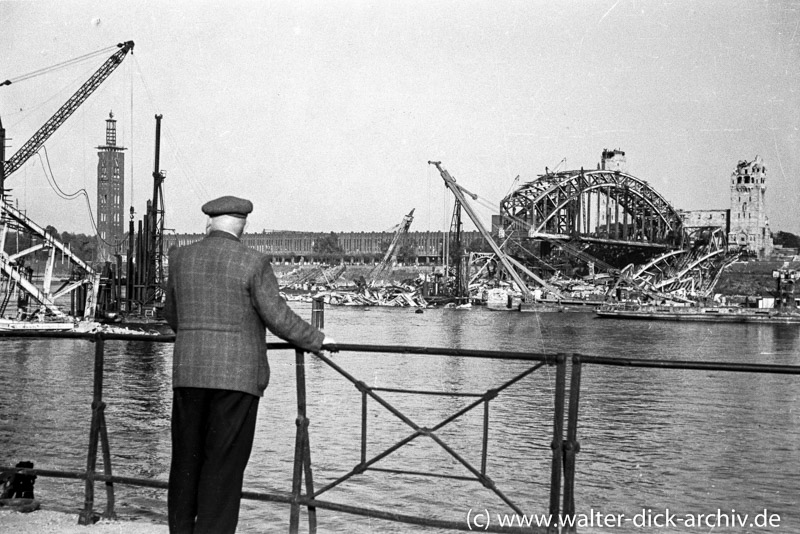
{"points": [[541, 307], [82, 326], [13, 325], [715, 314], [500, 299], [136, 324]]}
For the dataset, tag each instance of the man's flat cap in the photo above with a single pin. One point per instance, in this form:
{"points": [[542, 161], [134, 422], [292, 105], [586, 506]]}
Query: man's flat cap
{"points": [[237, 207]]}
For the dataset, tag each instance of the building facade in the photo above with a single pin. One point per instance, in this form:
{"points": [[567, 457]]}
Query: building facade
{"points": [[745, 223], [110, 194], [287, 247]]}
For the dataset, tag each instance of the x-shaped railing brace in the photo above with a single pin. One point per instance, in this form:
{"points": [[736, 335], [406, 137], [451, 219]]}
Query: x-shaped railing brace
{"points": [[484, 398]]}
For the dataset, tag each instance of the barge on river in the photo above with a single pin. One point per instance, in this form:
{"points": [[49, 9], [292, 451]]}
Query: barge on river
{"points": [[716, 314]]}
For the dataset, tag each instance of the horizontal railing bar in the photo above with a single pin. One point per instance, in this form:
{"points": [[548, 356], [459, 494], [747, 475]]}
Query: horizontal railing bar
{"points": [[443, 351], [446, 351], [396, 349], [80, 475], [690, 365], [414, 520], [421, 473], [284, 498], [423, 392]]}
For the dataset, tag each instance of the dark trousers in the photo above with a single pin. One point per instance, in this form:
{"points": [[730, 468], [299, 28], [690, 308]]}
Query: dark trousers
{"points": [[212, 436]]}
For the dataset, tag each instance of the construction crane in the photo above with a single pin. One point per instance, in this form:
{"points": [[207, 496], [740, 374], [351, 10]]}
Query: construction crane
{"points": [[460, 194], [155, 224], [10, 264], [48, 128], [391, 253]]}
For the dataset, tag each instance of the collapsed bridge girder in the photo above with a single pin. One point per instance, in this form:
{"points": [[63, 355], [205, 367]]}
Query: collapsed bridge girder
{"points": [[9, 264], [694, 269]]}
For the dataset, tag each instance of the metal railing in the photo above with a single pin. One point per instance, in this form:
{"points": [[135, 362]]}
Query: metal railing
{"points": [[564, 448], [571, 444], [302, 468]]}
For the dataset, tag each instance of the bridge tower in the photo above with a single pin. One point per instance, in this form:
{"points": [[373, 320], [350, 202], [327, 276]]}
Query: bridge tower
{"points": [[749, 222], [110, 194], [613, 160]]}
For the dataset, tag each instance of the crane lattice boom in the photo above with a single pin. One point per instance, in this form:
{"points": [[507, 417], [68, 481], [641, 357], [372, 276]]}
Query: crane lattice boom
{"points": [[48, 128], [391, 253]]}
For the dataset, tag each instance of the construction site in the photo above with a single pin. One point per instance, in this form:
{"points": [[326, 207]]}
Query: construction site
{"points": [[580, 237], [566, 239], [47, 285]]}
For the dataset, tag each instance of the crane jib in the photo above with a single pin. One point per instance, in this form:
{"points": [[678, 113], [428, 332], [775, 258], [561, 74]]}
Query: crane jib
{"points": [[48, 128]]}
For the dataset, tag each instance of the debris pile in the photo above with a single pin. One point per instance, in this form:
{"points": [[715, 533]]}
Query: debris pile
{"points": [[393, 295], [412, 292]]}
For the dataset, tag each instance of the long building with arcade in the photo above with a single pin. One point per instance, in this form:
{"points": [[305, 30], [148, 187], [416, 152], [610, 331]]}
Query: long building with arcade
{"points": [[291, 247]]}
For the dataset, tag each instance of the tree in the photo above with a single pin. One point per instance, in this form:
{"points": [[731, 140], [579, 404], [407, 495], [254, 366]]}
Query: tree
{"points": [[327, 246], [479, 245], [407, 252], [787, 239], [50, 229], [81, 245]]}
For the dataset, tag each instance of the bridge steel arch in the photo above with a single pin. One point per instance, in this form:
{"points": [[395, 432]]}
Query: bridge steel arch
{"points": [[601, 206], [610, 210]]}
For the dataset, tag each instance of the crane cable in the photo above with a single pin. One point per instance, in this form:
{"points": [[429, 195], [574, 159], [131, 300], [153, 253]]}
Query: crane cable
{"points": [[51, 179], [195, 185], [46, 70]]}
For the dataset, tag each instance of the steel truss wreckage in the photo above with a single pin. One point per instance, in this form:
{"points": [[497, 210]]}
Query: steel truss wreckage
{"points": [[84, 280], [12, 266], [608, 221]]}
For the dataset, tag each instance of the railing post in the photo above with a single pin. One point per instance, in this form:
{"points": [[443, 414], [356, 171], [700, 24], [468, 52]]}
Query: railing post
{"points": [[571, 446], [302, 454], [558, 439], [98, 431], [109, 513], [318, 312], [86, 516]]}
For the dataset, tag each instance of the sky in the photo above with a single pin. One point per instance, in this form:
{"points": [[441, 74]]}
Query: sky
{"points": [[325, 114]]}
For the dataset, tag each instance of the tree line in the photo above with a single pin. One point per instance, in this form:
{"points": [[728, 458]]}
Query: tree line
{"points": [[85, 246], [82, 245], [786, 239]]}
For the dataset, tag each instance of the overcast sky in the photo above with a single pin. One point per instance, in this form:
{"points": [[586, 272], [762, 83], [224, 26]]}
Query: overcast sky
{"points": [[326, 114]]}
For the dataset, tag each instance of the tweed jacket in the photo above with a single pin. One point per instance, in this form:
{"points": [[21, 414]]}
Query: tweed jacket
{"points": [[221, 297]]}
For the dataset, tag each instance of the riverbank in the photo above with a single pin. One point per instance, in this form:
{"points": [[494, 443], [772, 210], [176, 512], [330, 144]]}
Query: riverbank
{"points": [[47, 521]]}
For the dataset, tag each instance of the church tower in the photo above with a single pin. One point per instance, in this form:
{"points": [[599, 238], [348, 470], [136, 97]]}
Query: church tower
{"points": [[110, 194], [749, 222]]}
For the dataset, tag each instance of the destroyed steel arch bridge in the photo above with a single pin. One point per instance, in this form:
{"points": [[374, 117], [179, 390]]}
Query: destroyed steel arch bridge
{"points": [[614, 220]]}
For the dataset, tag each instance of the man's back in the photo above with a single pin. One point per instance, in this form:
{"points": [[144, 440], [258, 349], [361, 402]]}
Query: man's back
{"points": [[221, 297]]}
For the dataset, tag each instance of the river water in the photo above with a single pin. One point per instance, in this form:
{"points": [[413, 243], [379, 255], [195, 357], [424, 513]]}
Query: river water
{"points": [[651, 440]]}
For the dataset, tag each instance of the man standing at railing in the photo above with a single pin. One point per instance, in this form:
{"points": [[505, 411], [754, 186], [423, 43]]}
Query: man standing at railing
{"points": [[221, 297]]}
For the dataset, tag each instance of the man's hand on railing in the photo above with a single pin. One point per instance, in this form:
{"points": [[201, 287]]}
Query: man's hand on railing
{"points": [[329, 344]]}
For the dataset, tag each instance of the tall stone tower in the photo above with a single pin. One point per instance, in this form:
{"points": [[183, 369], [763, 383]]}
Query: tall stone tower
{"points": [[749, 222], [110, 194]]}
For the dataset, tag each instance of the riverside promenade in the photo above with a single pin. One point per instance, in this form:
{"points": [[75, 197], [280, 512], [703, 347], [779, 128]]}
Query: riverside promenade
{"points": [[46, 521]]}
